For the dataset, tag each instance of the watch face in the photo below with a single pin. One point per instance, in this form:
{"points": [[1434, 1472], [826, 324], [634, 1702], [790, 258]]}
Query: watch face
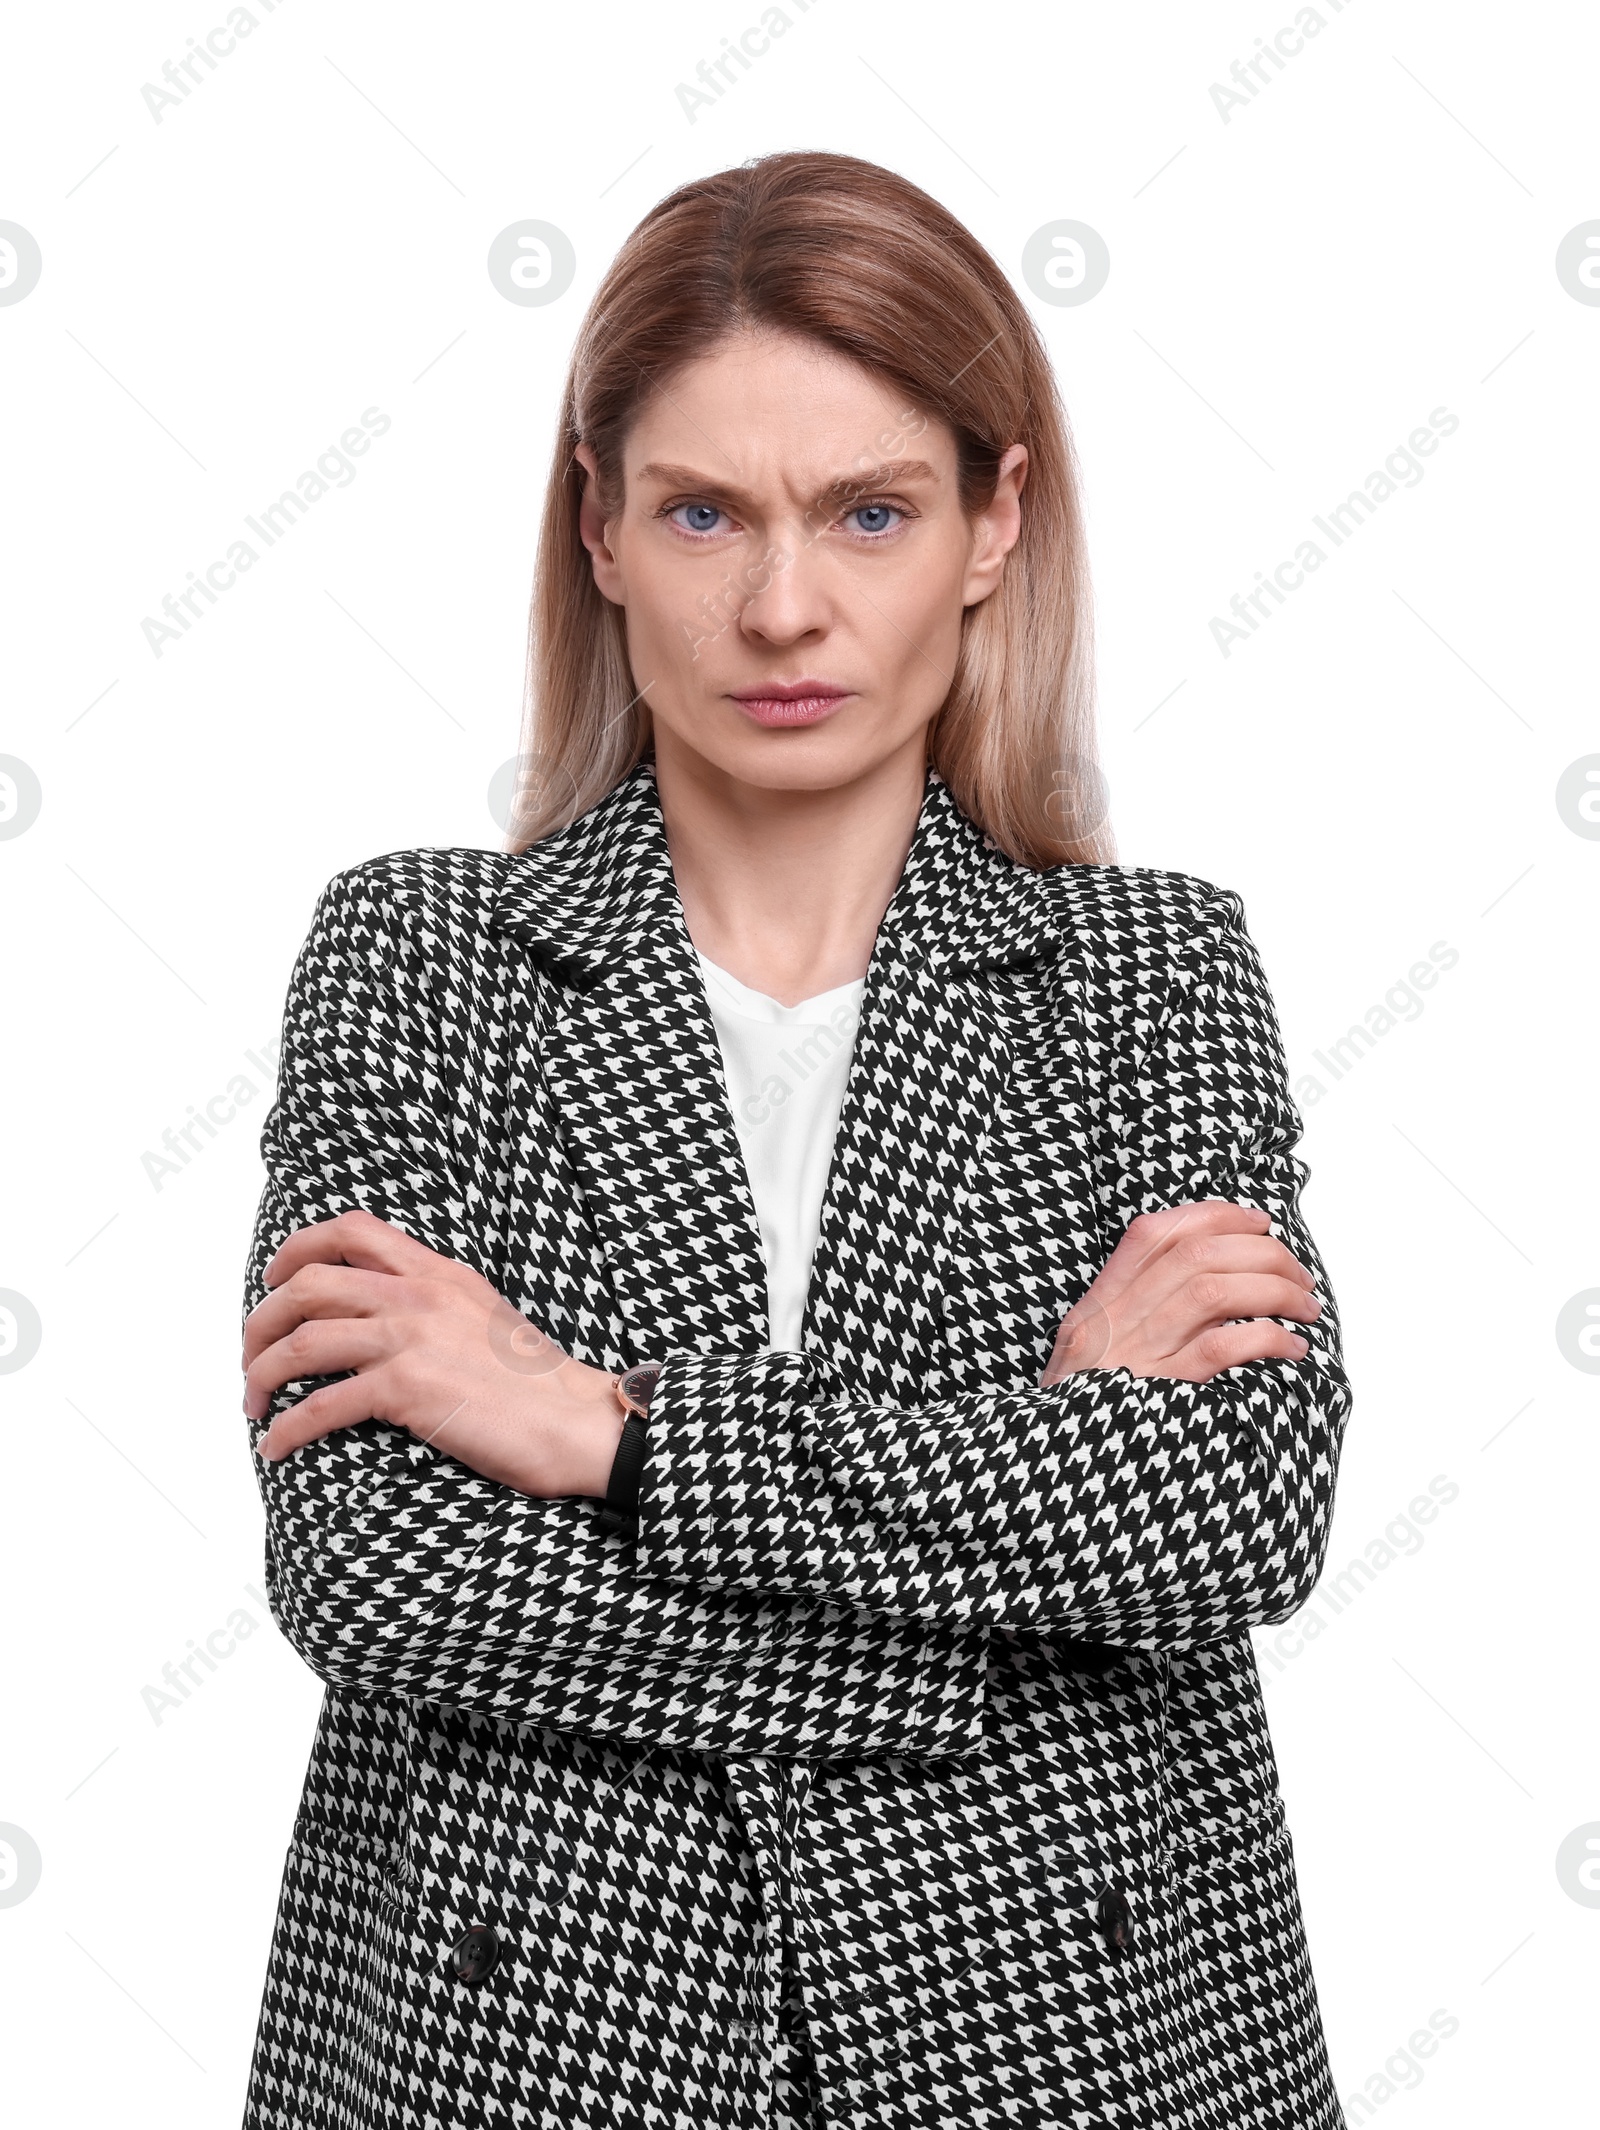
{"points": [[638, 1383]]}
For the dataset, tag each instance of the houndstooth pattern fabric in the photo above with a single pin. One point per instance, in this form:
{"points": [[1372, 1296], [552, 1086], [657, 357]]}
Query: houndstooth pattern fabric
{"points": [[804, 1803]]}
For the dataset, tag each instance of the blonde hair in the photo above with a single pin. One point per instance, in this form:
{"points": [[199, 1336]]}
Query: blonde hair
{"points": [[854, 256]]}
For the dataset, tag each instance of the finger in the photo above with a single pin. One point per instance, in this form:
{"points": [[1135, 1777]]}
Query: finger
{"points": [[1187, 1285], [1175, 1327], [320, 1349], [1193, 1251], [322, 1412], [318, 1291], [353, 1238], [1236, 1253], [1213, 1298], [1225, 1346], [1150, 1236], [1178, 1247]]}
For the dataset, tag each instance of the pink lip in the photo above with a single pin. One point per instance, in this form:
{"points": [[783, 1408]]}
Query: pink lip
{"points": [[790, 702]]}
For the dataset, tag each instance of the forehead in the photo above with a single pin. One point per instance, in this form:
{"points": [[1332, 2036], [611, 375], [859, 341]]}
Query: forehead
{"points": [[779, 410]]}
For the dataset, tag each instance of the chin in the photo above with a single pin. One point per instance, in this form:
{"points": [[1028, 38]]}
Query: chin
{"points": [[812, 759]]}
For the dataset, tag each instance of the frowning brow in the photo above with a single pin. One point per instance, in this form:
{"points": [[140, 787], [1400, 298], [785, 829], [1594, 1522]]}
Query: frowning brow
{"points": [[859, 480]]}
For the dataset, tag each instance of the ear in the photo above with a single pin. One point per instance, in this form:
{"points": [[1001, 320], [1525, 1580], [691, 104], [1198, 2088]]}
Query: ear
{"points": [[995, 530], [593, 527]]}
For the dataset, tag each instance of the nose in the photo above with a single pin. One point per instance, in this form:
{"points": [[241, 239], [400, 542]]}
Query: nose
{"points": [[788, 596]]}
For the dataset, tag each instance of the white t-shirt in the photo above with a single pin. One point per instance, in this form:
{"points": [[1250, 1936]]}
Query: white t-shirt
{"points": [[786, 1068]]}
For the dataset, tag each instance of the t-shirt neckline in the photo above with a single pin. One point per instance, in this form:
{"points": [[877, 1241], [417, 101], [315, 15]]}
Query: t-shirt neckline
{"points": [[760, 1006]]}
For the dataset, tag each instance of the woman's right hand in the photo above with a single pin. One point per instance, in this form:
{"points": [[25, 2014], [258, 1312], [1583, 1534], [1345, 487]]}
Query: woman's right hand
{"points": [[1165, 1300]]}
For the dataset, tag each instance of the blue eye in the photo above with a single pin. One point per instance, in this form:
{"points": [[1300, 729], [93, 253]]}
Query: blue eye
{"points": [[874, 517], [702, 517]]}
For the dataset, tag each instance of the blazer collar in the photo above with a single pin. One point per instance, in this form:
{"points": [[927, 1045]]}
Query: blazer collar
{"points": [[596, 893]]}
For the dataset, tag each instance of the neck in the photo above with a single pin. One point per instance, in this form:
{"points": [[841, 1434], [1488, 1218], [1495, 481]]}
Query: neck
{"points": [[785, 889]]}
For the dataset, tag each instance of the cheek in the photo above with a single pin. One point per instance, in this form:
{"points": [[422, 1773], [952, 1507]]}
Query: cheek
{"points": [[909, 608], [660, 600]]}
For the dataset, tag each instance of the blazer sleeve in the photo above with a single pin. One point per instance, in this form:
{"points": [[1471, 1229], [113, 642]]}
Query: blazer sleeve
{"points": [[392, 1568], [1121, 1508]]}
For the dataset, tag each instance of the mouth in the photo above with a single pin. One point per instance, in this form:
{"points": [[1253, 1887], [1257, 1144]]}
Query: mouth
{"points": [[790, 702]]}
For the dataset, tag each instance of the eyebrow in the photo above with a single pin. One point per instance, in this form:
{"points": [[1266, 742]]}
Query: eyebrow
{"points": [[885, 474]]}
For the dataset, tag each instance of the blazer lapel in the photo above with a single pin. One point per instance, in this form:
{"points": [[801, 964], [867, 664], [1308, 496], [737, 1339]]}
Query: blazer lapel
{"points": [[928, 1084], [630, 1059]]}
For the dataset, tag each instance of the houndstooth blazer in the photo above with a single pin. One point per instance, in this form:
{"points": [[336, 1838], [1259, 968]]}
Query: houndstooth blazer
{"points": [[907, 1765]]}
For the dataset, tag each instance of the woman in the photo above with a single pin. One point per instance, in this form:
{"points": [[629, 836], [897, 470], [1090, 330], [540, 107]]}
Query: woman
{"points": [[779, 1517]]}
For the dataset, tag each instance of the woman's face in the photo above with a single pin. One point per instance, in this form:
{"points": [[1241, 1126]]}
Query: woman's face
{"points": [[793, 562]]}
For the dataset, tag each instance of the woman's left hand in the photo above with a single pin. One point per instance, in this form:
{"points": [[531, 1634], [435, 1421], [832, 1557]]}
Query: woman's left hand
{"points": [[435, 1349]]}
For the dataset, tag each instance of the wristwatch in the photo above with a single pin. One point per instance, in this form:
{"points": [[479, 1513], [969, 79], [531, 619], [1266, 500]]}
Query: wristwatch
{"points": [[620, 1509]]}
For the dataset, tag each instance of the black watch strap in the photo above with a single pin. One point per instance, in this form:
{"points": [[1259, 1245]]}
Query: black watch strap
{"points": [[620, 1509]]}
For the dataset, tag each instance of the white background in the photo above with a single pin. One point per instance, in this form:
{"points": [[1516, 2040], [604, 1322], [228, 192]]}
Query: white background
{"points": [[1293, 289]]}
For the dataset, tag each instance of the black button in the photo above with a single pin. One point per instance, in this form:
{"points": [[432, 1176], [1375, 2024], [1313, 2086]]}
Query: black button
{"points": [[1116, 1920], [475, 1952]]}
